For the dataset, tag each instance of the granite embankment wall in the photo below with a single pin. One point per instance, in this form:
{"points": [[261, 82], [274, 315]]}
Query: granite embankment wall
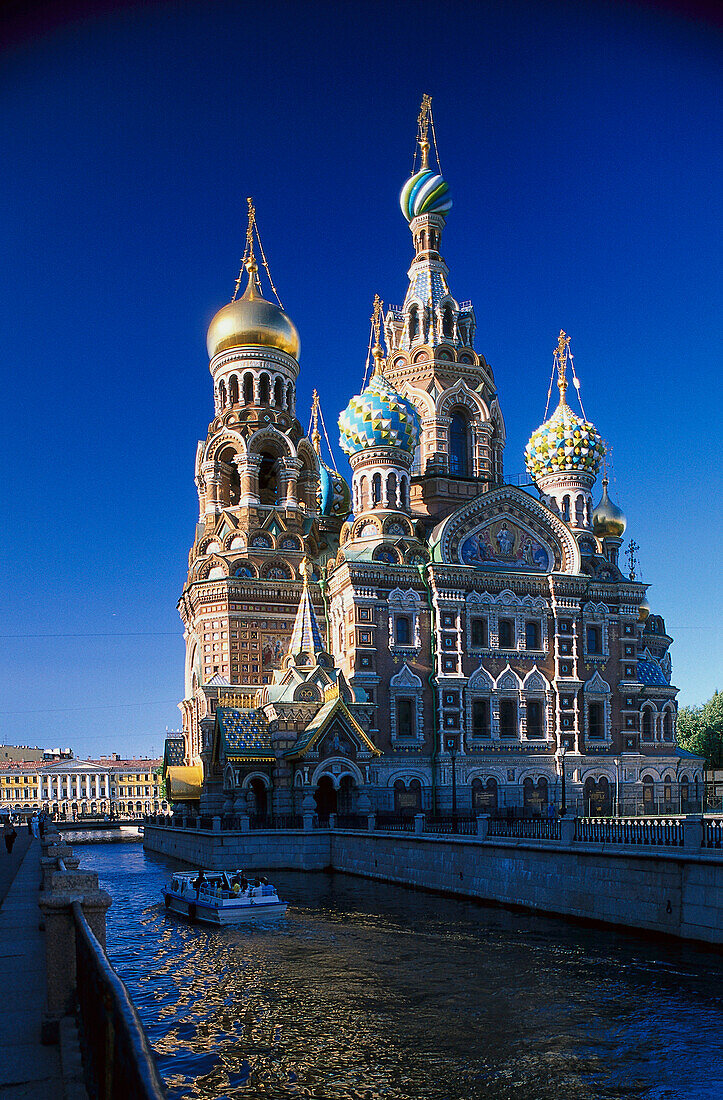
{"points": [[658, 890]]}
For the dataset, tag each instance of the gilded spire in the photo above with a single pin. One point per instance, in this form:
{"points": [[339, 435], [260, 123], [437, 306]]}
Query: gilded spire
{"points": [[315, 433], [376, 320], [248, 261], [425, 112], [561, 354]]}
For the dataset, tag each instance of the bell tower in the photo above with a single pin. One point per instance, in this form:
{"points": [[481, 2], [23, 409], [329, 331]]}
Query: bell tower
{"points": [[432, 359], [266, 501]]}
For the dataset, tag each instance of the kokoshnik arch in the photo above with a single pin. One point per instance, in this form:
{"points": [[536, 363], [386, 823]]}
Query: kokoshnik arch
{"points": [[346, 647]]}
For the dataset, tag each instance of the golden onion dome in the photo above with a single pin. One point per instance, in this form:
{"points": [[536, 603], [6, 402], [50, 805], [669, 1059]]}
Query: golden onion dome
{"points": [[607, 519], [251, 321], [643, 610]]}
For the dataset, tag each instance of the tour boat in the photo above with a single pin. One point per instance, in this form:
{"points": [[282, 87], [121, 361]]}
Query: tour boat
{"points": [[222, 897]]}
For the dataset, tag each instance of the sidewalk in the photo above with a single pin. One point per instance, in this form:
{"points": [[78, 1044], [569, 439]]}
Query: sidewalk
{"points": [[28, 1070]]}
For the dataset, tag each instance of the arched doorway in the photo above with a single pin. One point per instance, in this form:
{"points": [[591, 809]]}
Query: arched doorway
{"points": [[346, 796], [259, 799], [598, 799], [325, 798]]}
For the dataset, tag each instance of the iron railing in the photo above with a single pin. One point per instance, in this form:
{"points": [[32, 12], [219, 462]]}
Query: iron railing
{"points": [[451, 824], [352, 821], [531, 828], [394, 823], [713, 832], [116, 1053]]}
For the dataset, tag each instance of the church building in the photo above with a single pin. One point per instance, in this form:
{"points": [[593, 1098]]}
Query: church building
{"points": [[431, 637]]}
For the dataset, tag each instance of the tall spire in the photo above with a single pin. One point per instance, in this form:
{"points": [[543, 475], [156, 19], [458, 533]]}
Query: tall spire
{"points": [[305, 636], [560, 355], [425, 114], [249, 264], [315, 433], [376, 320]]}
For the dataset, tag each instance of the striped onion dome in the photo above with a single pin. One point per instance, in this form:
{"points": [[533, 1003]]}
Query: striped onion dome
{"points": [[426, 192], [564, 444]]}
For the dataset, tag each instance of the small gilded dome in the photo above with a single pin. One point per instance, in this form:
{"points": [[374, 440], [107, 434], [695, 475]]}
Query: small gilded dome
{"points": [[607, 518], [251, 321], [426, 192], [564, 444], [335, 493], [379, 417], [643, 610]]}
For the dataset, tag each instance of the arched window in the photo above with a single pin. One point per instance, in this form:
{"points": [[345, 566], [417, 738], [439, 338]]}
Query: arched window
{"points": [[402, 630], [413, 323], [459, 445], [289, 397], [278, 393], [648, 795], [264, 389], [363, 493], [566, 509], [248, 389], [222, 394], [648, 724], [233, 389], [448, 322], [405, 493], [392, 490], [481, 718], [377, 489], [269, 479], [535, 718], [667, 725], [508, 718]]}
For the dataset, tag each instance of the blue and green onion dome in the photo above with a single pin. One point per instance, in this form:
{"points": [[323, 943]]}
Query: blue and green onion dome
{"points": [[335, 493], [564, 444], [425, 193], [379, 417]]}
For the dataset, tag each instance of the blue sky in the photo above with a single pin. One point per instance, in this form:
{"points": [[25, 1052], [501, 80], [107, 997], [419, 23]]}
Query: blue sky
{"points": [[582, 148]]}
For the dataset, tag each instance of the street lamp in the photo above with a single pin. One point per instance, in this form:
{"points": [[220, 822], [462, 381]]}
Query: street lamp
{"points": [[452, 749], [563, 801]]}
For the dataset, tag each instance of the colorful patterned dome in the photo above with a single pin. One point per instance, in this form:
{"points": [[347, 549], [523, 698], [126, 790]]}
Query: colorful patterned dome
{"points": [[335, 493], [564, 444], [425, 193], [378, 417]]}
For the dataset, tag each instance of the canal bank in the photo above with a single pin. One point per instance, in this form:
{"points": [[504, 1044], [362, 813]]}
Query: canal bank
{"points": [[671, 890], [367, 990]]}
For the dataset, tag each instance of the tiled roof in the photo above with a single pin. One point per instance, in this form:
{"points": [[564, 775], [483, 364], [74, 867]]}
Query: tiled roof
{"points": [[174, 751], [245, 733], [650, 672]]}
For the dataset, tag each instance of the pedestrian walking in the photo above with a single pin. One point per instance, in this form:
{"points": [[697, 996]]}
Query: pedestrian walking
{"points": [[35, 825], [9, 835]]}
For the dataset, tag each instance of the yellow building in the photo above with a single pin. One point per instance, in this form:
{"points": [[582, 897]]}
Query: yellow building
{"points": [[82, 788]]}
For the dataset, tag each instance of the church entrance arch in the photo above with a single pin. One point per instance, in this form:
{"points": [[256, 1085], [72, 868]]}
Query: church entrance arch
{"points": [[325, 797], [259, 803]]}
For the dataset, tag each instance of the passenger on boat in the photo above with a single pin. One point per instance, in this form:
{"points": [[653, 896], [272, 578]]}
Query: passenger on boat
{"points": [[201, 878]]}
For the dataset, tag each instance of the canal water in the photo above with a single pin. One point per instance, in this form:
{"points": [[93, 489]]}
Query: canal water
{"points": [[367, 991]]}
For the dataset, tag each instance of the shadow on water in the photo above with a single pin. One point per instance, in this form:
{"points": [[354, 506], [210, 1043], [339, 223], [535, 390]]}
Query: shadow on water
{"points": [[367, 991]]}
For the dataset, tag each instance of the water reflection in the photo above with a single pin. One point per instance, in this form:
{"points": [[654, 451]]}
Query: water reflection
{"points": [[367, 991]]}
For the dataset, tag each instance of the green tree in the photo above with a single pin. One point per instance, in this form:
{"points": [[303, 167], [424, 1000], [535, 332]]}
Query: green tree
{"points": [[700, 730]]}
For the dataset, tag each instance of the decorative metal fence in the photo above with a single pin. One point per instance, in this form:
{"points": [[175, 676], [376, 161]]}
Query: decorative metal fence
{"points": [[534, 828], [667, 832], [352, 821], [116, 1053], [394, 823], [452, 824]]}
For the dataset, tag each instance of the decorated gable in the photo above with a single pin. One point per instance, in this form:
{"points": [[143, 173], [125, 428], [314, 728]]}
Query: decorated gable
{"points": [[507, 530]]}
